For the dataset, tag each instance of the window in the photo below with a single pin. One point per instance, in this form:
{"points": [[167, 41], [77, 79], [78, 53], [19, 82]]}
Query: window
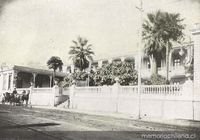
{"points": [[177, 62]]}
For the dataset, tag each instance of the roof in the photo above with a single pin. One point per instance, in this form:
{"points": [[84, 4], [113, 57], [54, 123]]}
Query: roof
{"points": [[34, 70]]}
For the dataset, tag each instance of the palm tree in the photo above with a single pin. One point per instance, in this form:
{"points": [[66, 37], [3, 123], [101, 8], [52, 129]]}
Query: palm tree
{"points": [[160, 30], [81, 53], [55, 63]]}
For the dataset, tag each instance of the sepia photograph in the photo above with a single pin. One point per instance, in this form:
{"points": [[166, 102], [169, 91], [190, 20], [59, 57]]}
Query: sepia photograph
{"points": [[99, 69]]}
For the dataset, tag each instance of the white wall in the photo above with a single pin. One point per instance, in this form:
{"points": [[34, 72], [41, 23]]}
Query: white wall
{"points": [[168, 102], [173, 104], [42, 96]]}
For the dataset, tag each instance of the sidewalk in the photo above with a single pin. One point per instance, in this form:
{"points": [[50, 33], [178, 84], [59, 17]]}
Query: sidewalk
{"points": [[175, 122]]}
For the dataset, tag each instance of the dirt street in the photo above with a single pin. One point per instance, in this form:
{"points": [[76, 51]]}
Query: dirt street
{"points": [[18, 122]]}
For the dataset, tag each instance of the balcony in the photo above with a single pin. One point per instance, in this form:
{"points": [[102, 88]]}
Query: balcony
{"points": [[176, 71], [146, 73]]}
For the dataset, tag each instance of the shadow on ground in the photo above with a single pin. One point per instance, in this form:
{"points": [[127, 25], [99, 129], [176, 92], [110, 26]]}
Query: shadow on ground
{"points": [[29, 125]]}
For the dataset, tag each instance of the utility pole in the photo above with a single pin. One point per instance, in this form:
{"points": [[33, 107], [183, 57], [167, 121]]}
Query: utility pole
{"points": [[140, 57]]}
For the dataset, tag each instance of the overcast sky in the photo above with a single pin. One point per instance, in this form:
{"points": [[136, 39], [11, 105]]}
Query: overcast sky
{"points": [[31, 31]]}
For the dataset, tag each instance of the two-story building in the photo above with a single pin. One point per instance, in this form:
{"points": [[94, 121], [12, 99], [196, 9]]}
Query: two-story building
{"points": [[178, 58]]}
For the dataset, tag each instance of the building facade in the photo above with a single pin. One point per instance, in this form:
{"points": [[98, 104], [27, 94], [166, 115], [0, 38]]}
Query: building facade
{"points": [[179, 57]]}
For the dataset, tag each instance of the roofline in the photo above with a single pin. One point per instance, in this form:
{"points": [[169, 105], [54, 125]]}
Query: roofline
{"points": [[34, 70], [176, 46]]}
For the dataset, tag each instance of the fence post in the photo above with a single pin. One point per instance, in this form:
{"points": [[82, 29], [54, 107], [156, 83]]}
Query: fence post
{"points": [[187, 89], [71, 96], [55, 95], [30, 95], [115, 93]]}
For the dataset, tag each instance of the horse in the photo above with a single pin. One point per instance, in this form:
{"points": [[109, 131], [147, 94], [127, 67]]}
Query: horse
{"points": [[25, 97], [17, 99], [13, 99], [7, 98]]}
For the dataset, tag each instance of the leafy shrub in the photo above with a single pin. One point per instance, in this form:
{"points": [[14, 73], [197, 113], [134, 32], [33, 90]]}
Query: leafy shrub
{"points": [[106, 75], [77, 76], [157, 80], [123, 70]]}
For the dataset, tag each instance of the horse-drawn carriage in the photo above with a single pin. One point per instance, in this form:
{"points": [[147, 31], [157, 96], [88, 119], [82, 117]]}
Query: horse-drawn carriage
{"points": [[16, 99]]}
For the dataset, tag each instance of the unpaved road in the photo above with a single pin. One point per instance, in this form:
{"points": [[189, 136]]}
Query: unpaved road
{"points": [[18, 122]]}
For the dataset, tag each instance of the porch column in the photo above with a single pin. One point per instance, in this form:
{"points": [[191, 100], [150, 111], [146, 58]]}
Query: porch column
{"points": [[34, 76], [7, 81], [14, 79], [50, 82]]}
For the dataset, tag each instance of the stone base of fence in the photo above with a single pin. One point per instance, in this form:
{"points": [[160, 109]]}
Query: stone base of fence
{"points": [[42, 96], [164, 101]]}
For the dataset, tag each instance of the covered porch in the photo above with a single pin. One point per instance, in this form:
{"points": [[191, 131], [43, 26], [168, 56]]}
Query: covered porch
{"points": [[25, 76], [24, 80]]}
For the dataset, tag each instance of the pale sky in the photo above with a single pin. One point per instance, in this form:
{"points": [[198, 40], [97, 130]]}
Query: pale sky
{"points": [[31, 31]]}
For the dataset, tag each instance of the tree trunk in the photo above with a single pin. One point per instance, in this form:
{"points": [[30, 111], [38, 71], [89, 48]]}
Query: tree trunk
{"points": [[167, 63], [154, 66], [54, 71]]}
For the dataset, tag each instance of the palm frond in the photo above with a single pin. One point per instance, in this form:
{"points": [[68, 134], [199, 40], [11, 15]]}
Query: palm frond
{"points": [[81, 53]]}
